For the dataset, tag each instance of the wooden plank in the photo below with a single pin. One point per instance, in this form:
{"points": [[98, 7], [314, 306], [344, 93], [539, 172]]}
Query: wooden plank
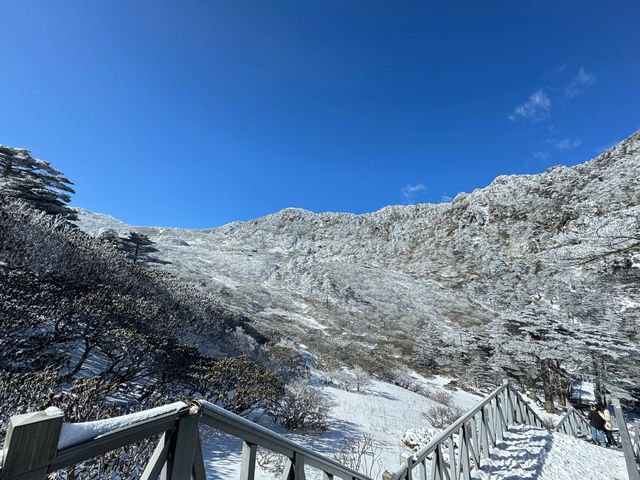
{"points": [[158, 458], [199, 472], [294, 468], [248, 462], [627, 447], [422, 468], [184, 448], [289, 472], [475, 441], [444, 473], [31, 444], [484, 436], [487, 421], [434, 467], [500, 413], [406, 459], [464, 457], [453, 472]]}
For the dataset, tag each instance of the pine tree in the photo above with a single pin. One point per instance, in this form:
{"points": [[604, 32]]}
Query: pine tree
{"points": [[35, 182], [139, 247]]}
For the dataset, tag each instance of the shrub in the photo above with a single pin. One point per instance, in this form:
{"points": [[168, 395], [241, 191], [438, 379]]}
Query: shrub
{"points": [[440, 416], [362, 454], [303, 408]]}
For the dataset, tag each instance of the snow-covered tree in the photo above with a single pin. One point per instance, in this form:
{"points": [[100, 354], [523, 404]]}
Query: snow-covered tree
{"points": [[35, 182]]}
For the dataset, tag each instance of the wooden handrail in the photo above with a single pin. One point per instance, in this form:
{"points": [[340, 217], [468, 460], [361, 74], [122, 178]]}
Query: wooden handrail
{"points": [[630, 458], [477, 432], [254, 434], [30, 447], [573, 422]]}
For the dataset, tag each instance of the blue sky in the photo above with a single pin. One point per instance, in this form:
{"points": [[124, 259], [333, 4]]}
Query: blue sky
{"points": [[197, 113]]}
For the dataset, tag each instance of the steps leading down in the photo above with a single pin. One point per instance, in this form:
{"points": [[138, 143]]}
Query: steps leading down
{"points": [[536, 453]]}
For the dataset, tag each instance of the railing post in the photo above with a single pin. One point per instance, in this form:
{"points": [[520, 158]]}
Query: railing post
{"points": [[627, 447], [407, 459], [248, 465], [31, 444], [185, 446], [294, 468]]}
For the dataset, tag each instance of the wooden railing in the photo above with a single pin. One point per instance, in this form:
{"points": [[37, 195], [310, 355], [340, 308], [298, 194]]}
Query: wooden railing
{"points": [[254, 436], [631, 453], [636, 442], [573, 423], [458, 450], [34, 446]]}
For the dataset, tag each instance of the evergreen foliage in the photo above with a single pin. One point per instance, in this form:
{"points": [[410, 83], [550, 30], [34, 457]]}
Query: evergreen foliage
{"points": [[35, 182], [87, 330]]}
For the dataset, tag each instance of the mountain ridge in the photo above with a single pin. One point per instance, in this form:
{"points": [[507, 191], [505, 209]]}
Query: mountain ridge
{"points": [[468, 269]]}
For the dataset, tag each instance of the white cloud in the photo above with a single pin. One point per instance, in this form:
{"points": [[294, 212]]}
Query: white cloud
{"points": [[445, 198], [536, 108], [411, 192], [568, 144], [579, 84], [542, 156]]}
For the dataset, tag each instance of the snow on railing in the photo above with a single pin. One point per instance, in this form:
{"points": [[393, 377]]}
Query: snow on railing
{"points": [[459, 449]]}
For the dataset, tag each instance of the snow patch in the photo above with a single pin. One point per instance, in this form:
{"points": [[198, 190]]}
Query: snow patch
{"points": [[536, 453]]}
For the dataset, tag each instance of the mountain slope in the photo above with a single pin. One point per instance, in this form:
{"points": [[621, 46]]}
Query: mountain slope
{"points": [[531, 257]]}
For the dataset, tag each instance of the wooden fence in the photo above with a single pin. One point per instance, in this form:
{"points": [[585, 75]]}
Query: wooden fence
{"points": [[34, 446], [574, 423], [631, 457], [458, 450], [31, 448]]}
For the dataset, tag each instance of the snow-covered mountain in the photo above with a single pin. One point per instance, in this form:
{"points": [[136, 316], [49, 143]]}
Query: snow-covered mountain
{"points": [[536, 257]]}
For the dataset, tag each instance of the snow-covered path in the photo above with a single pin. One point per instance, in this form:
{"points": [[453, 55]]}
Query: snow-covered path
{"points": [[536, 453]]}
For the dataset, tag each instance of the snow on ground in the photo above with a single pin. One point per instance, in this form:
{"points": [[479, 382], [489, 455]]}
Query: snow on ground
{"points": [[550, 418], [536, 453], [385, 411]]}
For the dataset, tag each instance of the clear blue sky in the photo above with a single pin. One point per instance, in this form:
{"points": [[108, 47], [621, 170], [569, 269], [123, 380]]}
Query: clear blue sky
{"points": [[197, 113]]}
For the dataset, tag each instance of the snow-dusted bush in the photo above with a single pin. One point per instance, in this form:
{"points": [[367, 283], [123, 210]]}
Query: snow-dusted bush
{"points": [[417, 438], [441, 416], [440, 396], [361, 453], [303, 408], [271, 462], [235, 383], [356, 379]]}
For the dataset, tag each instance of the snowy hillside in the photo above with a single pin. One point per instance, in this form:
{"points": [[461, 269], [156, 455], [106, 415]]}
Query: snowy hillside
{"points": [[384, 411], [552, 257]]}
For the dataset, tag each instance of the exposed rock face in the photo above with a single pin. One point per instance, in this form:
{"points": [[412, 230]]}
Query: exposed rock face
{"points": [[563, 245]]}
